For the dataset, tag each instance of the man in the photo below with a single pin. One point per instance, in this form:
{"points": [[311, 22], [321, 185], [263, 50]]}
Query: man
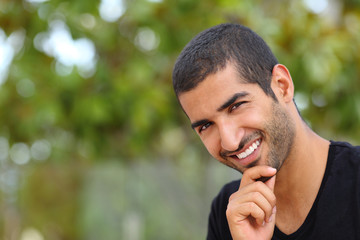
{"points": [[295, 184]]}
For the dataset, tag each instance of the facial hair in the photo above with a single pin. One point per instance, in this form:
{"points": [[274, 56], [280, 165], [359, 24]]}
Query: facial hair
{"points": [[279, 133]]}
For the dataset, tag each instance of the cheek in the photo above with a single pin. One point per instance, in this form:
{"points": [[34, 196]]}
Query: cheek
{"points": [[212, 145], [253, 119]]}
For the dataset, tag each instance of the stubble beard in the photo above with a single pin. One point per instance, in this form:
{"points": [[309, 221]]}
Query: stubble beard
{"points": [[280, 130]]}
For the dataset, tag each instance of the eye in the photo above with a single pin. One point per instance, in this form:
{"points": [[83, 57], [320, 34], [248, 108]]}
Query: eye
{"points": [[204, 127], [236, 105]]}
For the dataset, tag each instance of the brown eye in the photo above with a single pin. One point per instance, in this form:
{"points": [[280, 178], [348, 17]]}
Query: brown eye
{"points": [[204, 127], [235, 106]]}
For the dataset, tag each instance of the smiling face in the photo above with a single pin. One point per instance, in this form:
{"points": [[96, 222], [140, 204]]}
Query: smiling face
{"points": [[238, 123]]}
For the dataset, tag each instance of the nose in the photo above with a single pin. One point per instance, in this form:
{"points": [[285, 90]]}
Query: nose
{"points": [[230, 135]]}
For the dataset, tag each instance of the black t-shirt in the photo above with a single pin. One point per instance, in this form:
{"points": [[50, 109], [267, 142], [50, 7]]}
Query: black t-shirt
{"points": [[335, 213]]}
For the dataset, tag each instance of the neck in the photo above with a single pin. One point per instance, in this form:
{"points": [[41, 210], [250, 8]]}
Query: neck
{"points": [[299, 179], [306, 162]]}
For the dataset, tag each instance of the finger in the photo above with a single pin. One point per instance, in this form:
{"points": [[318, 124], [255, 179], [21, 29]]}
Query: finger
{"points": [[259, 199], [263, 179], [271, 182], [259, 193], [253, 174], [273, 215], [257, 187], [238, 213]]}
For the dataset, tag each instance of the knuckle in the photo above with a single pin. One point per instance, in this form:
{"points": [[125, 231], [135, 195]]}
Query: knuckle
{"points": [[255, 195], [251, 206], [232, 196], [258, 185], [256, 211], [229, 212]]}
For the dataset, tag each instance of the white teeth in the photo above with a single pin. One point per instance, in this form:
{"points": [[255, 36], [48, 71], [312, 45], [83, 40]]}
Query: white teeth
{"points": [[249, 151]]}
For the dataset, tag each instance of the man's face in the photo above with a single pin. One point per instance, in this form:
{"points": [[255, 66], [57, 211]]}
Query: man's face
{"points": [[237, 122]]}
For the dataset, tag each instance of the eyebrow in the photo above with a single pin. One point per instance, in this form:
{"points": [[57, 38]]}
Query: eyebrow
{"points": [[230, 101], [199, 123]]}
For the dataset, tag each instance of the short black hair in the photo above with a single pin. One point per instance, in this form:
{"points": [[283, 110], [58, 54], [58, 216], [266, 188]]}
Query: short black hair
{"points": [[212, 49]]}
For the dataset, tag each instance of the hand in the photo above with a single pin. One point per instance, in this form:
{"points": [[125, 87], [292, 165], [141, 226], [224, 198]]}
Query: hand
{"points": [[251, 210]]}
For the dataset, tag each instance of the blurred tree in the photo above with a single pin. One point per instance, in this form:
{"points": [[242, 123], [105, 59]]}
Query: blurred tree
{"points": [[87, 80]]}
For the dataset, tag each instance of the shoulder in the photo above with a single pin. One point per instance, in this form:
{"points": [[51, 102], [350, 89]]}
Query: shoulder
{"points": [[344, 145], [217, 226], [345, 150], [343, 160], [220, 202], [227, 190], [339, 194]]}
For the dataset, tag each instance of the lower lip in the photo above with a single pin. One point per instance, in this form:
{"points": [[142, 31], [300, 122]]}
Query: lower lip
{"points": [[249, 159]]}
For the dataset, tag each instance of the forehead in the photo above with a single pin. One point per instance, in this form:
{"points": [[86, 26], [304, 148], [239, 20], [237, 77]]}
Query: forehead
{"points": [[215, 90]]}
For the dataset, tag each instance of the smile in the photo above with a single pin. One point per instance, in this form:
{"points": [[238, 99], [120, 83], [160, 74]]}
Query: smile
{"points": [[249, 150]]}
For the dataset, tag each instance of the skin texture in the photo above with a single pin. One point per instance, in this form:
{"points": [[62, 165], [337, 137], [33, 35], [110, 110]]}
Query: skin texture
{"points": [[227, 131], [228, 122], [231, 116], [251, 211]]}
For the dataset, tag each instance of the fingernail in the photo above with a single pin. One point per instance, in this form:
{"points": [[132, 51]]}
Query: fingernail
{"points": [[272, 169], [274, 210]]}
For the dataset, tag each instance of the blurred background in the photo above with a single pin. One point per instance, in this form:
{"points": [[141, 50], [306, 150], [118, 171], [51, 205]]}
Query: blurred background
{"points": [[93, 144]]}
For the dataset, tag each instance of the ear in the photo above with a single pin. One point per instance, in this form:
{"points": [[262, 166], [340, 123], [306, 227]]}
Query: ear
{"points": [[282, 84]]}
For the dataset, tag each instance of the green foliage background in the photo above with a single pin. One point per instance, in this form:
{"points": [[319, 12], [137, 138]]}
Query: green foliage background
{"points": [[124, 163]]}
